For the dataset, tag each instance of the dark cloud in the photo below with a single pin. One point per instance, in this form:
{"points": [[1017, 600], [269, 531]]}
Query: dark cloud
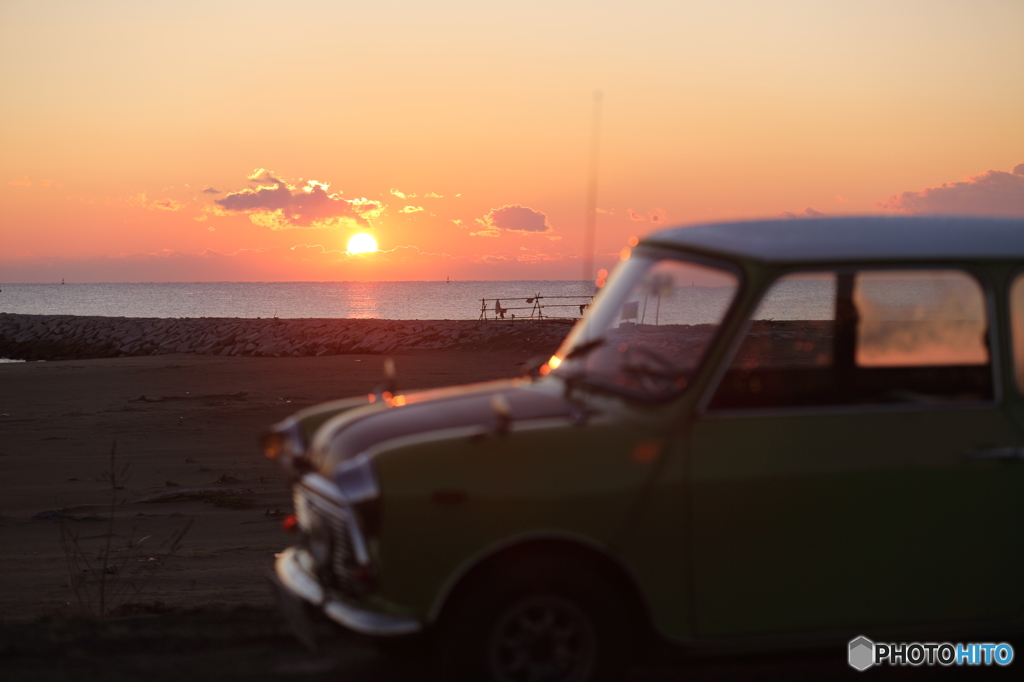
{"points": [[994, 193], [806, 213], [280, 206], [513, 219], [211, 190]]}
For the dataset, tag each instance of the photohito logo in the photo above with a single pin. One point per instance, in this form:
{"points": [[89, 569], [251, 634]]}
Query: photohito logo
{"points": [[863, 653]]}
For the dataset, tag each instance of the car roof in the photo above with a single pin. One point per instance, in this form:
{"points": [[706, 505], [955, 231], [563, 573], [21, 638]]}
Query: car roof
{"points": [[870, 238]]}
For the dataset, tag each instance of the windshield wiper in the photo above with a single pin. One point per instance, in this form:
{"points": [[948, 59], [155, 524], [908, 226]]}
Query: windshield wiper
{"points": [[584, 348]]}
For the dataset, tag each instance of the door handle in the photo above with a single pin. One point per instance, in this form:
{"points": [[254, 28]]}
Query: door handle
{"points": [[1002, 452]]}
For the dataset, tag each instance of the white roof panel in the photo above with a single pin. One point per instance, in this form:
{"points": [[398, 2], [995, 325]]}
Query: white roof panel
{"points": [[807, 240]]}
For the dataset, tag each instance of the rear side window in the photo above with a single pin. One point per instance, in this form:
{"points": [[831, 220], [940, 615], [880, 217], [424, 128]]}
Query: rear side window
{"points": [[920, 318], [865, 337], [1017, 326]]}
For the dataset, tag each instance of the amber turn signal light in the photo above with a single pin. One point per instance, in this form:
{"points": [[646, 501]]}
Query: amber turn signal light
{"points": [[273, 444]]}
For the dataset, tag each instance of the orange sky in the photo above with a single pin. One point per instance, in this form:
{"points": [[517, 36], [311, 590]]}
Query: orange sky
{"points": [[457, 133]]}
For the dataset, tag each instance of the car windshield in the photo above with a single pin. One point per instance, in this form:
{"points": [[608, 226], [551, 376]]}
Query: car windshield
{"points": [[649, 328]]}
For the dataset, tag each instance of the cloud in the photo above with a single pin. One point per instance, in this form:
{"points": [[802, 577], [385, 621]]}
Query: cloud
{"points": [[411, 209], [211, 190], [525, 256], [655, 215], [166, 205], [433, 195], [806, 213], [994, 193], [143, 201], [512, 219], [24, 182], [402, 195], [281, 206]]}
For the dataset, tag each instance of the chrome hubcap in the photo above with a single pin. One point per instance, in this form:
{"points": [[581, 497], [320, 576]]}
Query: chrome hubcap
{"points": [[542, 639]]}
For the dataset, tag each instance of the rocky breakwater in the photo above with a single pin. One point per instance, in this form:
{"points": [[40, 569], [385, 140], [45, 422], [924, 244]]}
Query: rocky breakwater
{"points": [[70, 337]]}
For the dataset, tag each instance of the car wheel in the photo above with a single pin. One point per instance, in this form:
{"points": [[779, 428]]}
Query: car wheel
{"points": [[536, 630], [542, 637]]}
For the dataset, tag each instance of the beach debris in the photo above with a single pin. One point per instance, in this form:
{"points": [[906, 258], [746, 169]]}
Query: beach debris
{"points": [[191, 494], [65, 515], [215, 396], [229, 500]]}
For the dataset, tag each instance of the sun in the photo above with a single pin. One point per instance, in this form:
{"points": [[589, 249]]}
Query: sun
{"points": [[362, 243]]}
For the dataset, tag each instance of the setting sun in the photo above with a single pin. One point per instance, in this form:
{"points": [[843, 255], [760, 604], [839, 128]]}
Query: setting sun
{"points": [[362, 243]]}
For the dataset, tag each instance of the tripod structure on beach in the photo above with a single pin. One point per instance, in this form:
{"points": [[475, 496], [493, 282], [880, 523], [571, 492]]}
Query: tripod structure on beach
{"points": [[492, 308]]}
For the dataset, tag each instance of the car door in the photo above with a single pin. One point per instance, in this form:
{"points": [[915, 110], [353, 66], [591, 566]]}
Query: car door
{"points": [[846, 472]]}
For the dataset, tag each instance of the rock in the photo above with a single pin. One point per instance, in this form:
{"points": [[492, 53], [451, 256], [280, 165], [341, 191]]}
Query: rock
{"points": [[64, 336]]}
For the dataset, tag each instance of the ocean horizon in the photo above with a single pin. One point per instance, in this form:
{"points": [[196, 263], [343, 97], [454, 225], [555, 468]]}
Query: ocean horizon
{"points": [[422, 300]]}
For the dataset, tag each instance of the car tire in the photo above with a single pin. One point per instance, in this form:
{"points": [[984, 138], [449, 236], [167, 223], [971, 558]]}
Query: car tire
{"points": [[538, 625]]}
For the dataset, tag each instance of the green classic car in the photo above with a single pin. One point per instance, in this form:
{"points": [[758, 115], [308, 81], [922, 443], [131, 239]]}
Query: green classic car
{"points": [[761, 434]]}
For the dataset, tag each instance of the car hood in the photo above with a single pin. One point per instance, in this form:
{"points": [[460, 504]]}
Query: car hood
{"points": [[355, 432]]}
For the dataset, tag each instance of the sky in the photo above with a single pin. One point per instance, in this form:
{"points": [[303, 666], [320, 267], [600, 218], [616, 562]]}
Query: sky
{"points": [[248, 141]]}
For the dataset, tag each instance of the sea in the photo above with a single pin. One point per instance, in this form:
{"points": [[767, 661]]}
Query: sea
{"points": [[790, 299], [381, 300]]}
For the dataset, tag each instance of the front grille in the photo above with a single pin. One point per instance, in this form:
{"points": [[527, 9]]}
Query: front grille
{"points": [[324, 520]]}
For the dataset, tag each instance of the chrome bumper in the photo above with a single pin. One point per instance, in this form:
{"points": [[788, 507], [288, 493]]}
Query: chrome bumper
{"points": [[294, 570]]}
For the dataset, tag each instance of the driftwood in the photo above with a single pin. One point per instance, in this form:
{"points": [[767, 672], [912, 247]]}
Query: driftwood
{"points": [[191, 494], [214, 396]]}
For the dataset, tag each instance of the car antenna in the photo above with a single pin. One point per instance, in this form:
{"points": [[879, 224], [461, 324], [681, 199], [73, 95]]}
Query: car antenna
{"points": [[590, 224]]}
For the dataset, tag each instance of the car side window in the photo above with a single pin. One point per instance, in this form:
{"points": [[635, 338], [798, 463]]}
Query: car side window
{"points": [[867, 337], [1017, 327]]}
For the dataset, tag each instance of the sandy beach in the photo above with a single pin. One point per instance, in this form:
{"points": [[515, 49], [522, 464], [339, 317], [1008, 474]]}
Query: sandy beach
{"points": [[203, 611], [181, 422]]}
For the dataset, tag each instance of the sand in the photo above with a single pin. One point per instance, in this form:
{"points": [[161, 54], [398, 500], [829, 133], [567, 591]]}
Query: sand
{"points": [[204, 611], [180, 422]]}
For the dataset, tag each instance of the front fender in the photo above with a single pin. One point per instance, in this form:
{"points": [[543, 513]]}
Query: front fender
{"points": [[449, 498]]}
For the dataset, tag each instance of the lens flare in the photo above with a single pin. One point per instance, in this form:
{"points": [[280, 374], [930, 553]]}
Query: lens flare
{"points": [[362, 243]]}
